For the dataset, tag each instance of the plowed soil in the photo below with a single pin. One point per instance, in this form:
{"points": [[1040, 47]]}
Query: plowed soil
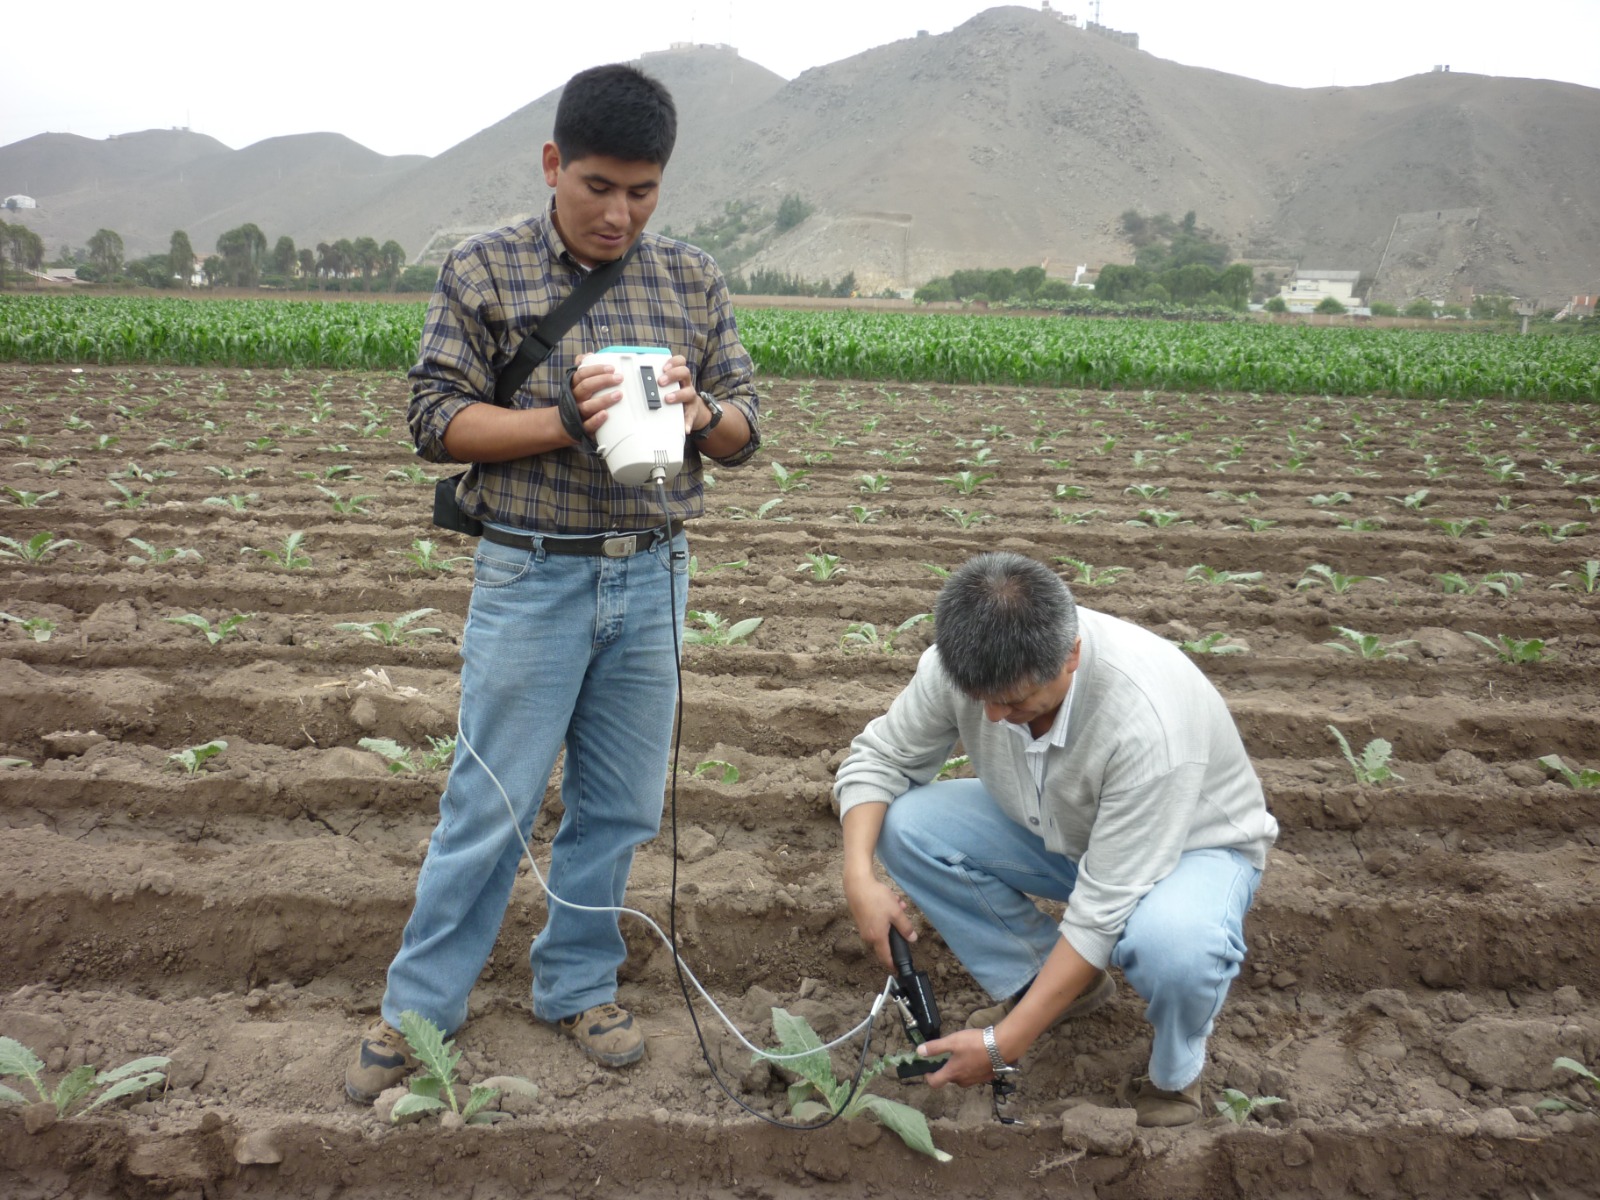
{"points": [[1421, 951]]}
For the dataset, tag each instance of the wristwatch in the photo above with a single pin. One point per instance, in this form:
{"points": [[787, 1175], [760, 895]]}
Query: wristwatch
{"points": [[997, 1064], [715, 409]]}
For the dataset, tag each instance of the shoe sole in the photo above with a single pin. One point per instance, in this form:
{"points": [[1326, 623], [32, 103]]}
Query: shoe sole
{"points": [[625, 1059]]}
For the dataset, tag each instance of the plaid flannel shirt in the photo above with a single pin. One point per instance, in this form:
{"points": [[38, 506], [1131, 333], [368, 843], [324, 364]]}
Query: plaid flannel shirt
{"points": [[492, 290]]}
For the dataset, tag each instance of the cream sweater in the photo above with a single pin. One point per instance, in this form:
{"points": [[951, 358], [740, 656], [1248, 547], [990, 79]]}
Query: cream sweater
{"points": [[1152, 766]]}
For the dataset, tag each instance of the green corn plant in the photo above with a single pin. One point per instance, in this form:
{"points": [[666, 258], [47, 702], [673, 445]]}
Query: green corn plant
{"points": [[196, 757], [41, 547], [818, 1093], [395, 632], [26, 499], [1368, 645], [225, 628], [1373, 765], [967, 483], [151, 555], [1501, 583], [424, 556], [1322, 575], [38, 628], [965, 519], [716, 631], [1585, 579], [1239, 1108], [717, 768], [290, 556], [433, 1090], [1200, 573], [1520, 651], [77, 1085], [790, 481], [1578, 778], [864, 635], [822, 566], [1212, 643], [1086, 575]]}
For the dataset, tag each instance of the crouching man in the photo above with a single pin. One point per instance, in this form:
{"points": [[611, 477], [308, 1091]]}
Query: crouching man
{"points": [[1110, 775]]}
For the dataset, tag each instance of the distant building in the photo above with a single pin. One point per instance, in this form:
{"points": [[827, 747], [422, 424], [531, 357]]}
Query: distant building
{"points": [[1579, 308], [20, 201], [1310, 286]]}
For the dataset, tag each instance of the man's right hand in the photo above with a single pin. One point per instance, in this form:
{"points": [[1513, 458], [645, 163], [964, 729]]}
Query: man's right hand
{"points": [[596, 388], [876, 907]]}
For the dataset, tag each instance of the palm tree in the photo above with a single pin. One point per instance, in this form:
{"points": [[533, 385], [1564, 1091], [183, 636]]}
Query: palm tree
{"points": [[394, 259]]}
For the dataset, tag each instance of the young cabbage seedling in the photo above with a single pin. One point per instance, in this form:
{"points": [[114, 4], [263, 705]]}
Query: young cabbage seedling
{"points": [[154, 556], [393, 632], [790, 481], [1373, 765], [424, 556], [226, 627], [1200, 573], [289, 557], [1239, 1108], [79, 1084], [1579, 778], [1086, 574], [434, 1089], [817, 1093], [196, 757], [823, 566], [1322, 575], [1519, 651], [865, 635], [717, 768], [38, 628], [1585, 579], [1368, 645], [1212, 643], [717, 632]]}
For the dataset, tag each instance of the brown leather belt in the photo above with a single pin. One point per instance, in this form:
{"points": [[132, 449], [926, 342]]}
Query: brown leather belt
{"points": [[605, 545]]}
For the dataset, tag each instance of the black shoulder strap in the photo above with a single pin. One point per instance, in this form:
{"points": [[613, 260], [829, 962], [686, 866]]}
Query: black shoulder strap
{"points": [[553, 326]]}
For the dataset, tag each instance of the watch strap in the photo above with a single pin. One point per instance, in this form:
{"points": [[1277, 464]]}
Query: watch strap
{"points": [[999, 1065], [700, 435]]}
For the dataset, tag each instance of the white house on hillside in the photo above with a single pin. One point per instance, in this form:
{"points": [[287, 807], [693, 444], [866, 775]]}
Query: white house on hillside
{"points": [[1311, 286], [19, 201]]}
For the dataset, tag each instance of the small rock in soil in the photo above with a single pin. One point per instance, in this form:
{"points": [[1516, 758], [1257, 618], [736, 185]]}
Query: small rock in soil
{"points": [[36, 1118], [1098, 1130], [258, 1146]]}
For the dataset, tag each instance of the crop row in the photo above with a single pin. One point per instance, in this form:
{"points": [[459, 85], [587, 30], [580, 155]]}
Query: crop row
{"points": [[1061, 352]]}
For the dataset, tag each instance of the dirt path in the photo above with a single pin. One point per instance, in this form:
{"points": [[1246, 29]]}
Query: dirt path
{"points": [[1421, 952]]}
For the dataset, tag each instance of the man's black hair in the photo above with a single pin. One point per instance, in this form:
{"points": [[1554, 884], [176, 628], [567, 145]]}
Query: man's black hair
{"points": [[1002, 621], [617, 111]]}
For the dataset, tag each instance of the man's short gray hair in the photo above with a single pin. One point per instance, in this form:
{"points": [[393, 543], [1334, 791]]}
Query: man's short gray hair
{"points": [[1002, 620]]}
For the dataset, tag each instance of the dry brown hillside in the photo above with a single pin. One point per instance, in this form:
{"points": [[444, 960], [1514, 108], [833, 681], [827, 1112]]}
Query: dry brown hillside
{"points": [[1013, 139]]}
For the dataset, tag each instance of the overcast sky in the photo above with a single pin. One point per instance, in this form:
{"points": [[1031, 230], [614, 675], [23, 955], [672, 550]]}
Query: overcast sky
{"points": [[411, 78]]}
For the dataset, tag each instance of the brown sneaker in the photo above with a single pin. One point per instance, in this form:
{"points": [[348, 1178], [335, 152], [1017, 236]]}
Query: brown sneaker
{"points": [[607, 1034], [1094, 996], [382, 1062], [1161, 1109]]}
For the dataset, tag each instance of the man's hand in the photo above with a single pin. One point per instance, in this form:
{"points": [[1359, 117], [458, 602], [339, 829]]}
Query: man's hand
{"points": [[596, 388], [875, 907], [969, 1059], [695, 413]]}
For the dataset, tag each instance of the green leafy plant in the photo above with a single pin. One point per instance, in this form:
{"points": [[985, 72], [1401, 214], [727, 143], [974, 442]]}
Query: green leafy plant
{"points": [[1360, 524], [1323, 500], [1368, 645], [952, 765], [790, 481], [1585, 579], [236, 474], [865, 635], [424, 556], [395, 756], [966, 519], [1200, 573], [717, 767], [817, 1093], [345, 506], [1578, 778], [233, 502], [1086, 575], [1413, 501], [1212, 643], [41, 547], [394, 632], [195, 757], [966, 483], [874, 484], [1520, 651], [26, 499], [289, 556], [862, 515], [226, 627], [823, 566], [154, 555], [1071, 491], [762, 513], [1459, 527], [1322, 575], [1556, 533], [77, 1085], [1239, 1108], [38, 628], [1501, 583], [695, 569], [1159, 518], [1373, 765], [1578, 1069], [717, 632], [434, 1088]]}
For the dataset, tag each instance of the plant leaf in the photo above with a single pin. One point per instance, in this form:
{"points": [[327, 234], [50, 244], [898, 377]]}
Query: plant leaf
{"points": [[17, 1059], [481, 1096], [795, 1036], [809, 1110], [74, 1086], [905, 1122], [127, 1087], [413, 1103], [155, 1062], [11, 1095], [431, 1047]]}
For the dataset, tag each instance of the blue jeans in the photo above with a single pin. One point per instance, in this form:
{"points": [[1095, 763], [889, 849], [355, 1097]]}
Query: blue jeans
{"points": [[557, 649], [971, 870]]}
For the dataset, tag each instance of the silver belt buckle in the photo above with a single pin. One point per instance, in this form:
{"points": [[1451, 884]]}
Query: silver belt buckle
{"points": [[620, 547]]}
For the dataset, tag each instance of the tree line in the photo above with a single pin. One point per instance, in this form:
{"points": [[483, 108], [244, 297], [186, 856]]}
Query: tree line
{"points": [[22, 246], [243, 259]]}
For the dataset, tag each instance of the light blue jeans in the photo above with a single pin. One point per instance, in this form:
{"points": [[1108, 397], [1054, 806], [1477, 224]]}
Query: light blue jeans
{"points": [[972, 871], [557, 649]]}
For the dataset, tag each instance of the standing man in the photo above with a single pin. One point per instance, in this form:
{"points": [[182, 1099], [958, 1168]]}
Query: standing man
{"points": [[1109, 775], [570, 638]]}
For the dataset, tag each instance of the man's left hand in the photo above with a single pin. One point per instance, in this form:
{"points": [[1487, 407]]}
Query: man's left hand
{"points": [[676, 371], [969, 1060]]}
